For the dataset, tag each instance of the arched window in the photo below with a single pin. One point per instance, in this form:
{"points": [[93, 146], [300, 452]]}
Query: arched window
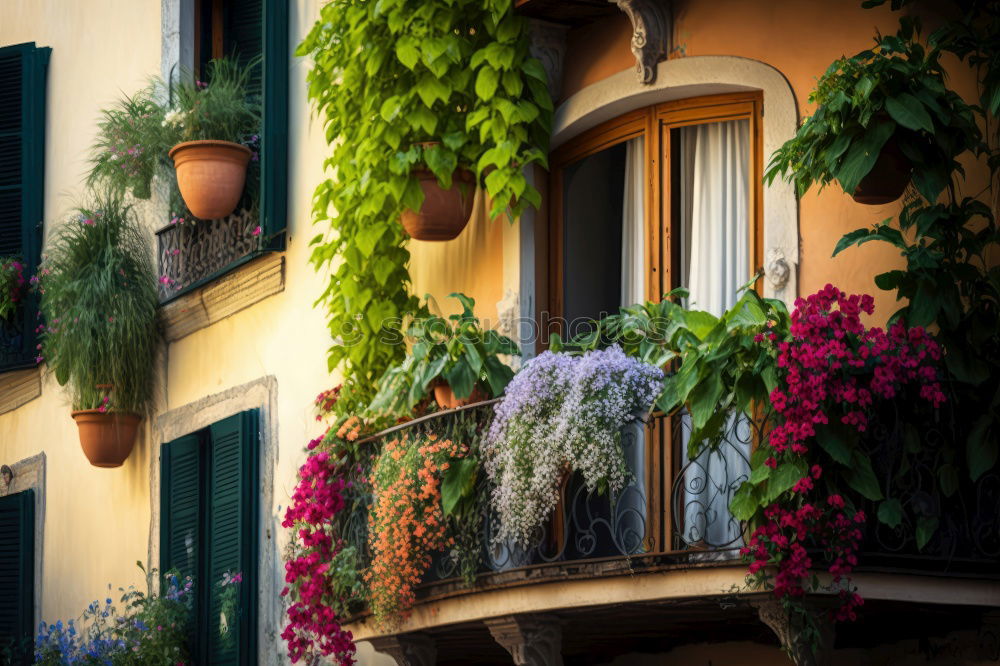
{"points": [[665, 196]]}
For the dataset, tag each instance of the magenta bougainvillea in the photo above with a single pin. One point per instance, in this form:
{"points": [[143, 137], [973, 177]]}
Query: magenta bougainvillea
{"points": [[833, 373], [311, 563]]}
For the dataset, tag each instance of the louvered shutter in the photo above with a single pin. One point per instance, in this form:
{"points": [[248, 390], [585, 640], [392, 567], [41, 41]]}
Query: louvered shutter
{"points": [[232, 536], [180, 515], [274, 145], [244, 36], [22, 172], [17, 573]]}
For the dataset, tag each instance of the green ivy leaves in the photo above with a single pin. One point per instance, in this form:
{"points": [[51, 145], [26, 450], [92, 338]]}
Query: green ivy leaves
{"points": [[386, 77]]}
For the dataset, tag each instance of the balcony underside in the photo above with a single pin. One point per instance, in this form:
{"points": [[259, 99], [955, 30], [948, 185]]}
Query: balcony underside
{"points": [[655, 612]]}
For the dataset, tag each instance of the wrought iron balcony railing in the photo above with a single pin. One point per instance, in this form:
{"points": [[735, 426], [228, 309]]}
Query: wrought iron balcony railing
{"points": [[191, 254], [676, 511]]}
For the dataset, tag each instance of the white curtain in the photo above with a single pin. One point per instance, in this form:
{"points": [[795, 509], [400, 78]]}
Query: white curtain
{"points": [[714, 260], [633, 227]]}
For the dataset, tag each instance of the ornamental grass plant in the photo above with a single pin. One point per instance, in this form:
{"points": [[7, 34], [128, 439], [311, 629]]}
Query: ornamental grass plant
{"points": [[99, 302]]}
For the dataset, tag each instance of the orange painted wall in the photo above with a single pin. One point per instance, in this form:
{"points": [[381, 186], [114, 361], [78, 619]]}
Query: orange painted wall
{"points": [[800, 38]]}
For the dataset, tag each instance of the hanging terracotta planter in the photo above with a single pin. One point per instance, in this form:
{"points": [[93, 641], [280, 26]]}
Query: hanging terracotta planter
{"points": [[444, 213], [446, 399], [888, 179], [107, 438], [210, 176]]}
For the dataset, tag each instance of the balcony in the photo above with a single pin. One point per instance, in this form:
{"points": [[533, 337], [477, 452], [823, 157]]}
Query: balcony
{"points": [[661, 557]]}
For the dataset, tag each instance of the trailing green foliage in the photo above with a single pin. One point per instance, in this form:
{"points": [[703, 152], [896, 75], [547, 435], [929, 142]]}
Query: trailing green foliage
{"points": [[136, 134], [893, 92], [951, 280], [723, 367], [387, 76], [99, 300], [456, 350]]}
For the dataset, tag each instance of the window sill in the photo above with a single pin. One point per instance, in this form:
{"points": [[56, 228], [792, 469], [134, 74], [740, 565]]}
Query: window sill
{"points": [[19, 387], [241, 286]]}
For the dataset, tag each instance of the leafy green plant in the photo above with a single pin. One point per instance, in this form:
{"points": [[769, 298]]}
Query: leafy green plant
{"points": [[386, 77], [894, 91], [220, 108], [135, 134], [99, 300], [456, 350], [11, 285], [721, 365], [951, 280]]}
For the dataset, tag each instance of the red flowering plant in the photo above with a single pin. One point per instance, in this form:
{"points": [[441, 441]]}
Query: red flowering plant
{"points": [[322, 560], [11, 285], [812, 476]]}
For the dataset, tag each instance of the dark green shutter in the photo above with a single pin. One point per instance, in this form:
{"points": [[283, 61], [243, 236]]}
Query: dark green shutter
{"points": [[232, 535], [180, 514], [22, 173], [274, 146], [244, 37], [17, 574]]}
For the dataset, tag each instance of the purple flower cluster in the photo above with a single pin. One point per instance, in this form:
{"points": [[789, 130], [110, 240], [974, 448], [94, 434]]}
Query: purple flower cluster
{"points": [[562, 413]]}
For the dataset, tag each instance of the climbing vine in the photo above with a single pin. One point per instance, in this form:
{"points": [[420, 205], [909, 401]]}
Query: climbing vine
{"points": [[386, 78]]}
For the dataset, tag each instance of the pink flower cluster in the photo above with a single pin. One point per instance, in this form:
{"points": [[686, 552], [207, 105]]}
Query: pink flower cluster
{"points": [[831, 367], [782, 540], [313, 627], [826, 366]]}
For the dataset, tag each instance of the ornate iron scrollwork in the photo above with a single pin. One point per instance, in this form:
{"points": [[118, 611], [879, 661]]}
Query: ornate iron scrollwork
{"points": [[191, 252]]}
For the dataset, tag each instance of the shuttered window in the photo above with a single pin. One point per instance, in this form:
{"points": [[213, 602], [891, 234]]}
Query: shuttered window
{"points": [[208, 526], [17, 576], [250, 29], [22, 172]]}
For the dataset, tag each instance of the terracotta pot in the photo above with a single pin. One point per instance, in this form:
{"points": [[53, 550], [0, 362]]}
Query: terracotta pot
{"points": [[444, 213], [107, 438], [210, 176], [888, 179], [446, 399]]}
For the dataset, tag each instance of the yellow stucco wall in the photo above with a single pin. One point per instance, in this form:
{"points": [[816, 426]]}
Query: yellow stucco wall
{"points": [[96, 520]]}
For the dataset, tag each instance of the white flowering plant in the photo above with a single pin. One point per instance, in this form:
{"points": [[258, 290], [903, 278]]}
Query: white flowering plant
{"points": [[562, 413]]}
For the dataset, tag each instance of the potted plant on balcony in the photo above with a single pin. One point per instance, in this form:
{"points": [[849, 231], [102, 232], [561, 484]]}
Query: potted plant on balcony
{"points": [[11, 285], [211, 122], [883, 116], [454, 357], [99, 300]]}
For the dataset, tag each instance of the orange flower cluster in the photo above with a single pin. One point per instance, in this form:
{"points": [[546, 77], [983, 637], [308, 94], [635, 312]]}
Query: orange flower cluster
{"points": [[406, 523]]}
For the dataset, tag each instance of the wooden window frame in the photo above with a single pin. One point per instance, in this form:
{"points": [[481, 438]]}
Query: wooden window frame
{"points": [[654, 123]]}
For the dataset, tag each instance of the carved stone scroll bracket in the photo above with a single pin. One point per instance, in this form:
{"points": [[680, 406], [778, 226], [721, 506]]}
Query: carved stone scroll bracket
{"points": [[532, 640], [651, 33], [988, 648], [408, 649], [804, 649]]}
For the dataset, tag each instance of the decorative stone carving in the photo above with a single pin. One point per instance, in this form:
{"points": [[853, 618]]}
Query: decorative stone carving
{"points": [[777, 269], [548, 44], [790, 631], [408, 649], [531, 640], [651, 28]]}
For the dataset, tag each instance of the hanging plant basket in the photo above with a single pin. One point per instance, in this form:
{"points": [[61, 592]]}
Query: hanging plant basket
{"points": [[446, 399], [444, 213], [107, 438], [888, 179], [210, 176]]}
